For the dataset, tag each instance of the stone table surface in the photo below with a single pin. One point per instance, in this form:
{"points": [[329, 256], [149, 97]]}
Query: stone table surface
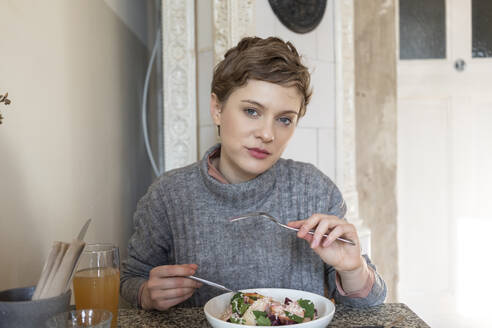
{"points": [[374, 317]]}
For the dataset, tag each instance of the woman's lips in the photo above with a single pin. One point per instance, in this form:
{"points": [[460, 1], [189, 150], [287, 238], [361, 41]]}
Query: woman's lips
{"points": [[258, 153]]}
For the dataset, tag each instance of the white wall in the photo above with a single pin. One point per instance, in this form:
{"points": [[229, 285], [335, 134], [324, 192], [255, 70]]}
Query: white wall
{"points": [[314, 139], [70, 143]]}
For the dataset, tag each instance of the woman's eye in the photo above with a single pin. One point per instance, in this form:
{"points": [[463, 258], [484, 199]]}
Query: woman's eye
{"points": [[285, 121], [251, 112]]}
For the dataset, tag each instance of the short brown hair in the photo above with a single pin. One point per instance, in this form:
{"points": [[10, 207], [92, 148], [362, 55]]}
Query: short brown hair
{"points": [[271, 60]]}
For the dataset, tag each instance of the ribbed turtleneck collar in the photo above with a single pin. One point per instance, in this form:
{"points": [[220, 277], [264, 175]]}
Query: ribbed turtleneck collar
{"points": [[243, 195]]}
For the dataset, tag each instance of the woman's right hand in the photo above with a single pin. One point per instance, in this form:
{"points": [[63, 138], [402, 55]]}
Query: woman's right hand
{"points": [[167, 286]]}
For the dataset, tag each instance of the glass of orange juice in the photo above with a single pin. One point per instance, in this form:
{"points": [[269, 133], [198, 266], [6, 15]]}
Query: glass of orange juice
{"points": [[96, 283]]}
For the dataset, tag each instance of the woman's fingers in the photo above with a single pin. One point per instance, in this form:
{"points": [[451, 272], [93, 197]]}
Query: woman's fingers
{"points": [[296, 224], [322, 228], [168, 285], [169, 294], [345, 229], [165, 304], [171, 283], [323, 224], [308, 225], [165, 271], [312, 223], [339, 255]]}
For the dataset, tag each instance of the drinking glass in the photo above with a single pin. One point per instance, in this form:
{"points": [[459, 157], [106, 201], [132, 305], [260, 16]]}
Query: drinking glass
{"points": [[96, 283], [86, 318]]}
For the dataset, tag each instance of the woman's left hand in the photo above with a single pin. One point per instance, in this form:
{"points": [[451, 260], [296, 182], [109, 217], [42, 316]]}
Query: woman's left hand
{"points": [[340, 255]]}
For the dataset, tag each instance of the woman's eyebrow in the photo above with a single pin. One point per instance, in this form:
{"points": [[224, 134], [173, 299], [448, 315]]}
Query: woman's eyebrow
{"points": [[253, 102]]}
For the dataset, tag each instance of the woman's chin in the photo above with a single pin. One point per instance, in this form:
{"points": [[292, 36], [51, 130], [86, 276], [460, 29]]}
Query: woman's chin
{"points": [[255, 170]]}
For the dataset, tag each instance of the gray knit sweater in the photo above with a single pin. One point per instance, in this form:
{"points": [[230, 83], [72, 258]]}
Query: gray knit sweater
{"points": [[183, 218]]}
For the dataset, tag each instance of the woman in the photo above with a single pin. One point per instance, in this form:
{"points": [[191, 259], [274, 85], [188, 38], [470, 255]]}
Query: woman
{"points": [[259, 93]]}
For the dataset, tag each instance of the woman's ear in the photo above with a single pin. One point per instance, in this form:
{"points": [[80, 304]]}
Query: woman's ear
{"points": [[215, 109]]}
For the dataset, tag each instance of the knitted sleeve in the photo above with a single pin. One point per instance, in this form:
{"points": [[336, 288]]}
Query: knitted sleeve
{"points": [[149, 246], [377, 294]]}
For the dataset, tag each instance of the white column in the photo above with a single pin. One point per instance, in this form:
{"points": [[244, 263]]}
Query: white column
{"points": [[233, 20], [179, 83], [345, 117]]}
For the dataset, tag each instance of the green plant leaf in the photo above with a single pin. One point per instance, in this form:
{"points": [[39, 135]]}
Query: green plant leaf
{"points": [[240, 321], [294, 317], [238, 305], [263, 321], [243, 308], [259, 314], [308, 307]]}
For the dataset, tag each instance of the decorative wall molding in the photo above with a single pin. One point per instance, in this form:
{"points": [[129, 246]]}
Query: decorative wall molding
{"points": [[345, 117], [179, 83], [233, 20]]}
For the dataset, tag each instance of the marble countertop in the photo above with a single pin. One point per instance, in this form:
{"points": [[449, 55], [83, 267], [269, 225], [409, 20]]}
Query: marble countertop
{"points": [[344, 317]]}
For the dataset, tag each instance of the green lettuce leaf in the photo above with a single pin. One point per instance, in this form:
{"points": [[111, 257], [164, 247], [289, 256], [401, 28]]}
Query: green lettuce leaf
{"points": [[238, 305], [240, 321], [294, 317], [263, 321], [308, 307]]}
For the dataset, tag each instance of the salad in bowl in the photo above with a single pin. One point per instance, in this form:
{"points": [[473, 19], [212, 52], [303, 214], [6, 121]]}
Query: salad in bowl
{"points": [[254, 309], [269, 307]]}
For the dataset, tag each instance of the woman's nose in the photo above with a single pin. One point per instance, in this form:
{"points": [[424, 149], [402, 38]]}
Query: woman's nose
{"points": [[265, 132]]}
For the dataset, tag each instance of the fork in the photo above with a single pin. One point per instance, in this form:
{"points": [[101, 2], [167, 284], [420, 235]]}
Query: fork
{"points": [[211, 283], [273, 219]]}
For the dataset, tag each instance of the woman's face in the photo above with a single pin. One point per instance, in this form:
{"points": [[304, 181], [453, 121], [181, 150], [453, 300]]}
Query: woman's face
{"points": [[256, 123]]}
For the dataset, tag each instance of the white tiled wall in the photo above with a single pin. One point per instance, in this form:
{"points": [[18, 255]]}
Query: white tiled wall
{"points": [[314, 140]]}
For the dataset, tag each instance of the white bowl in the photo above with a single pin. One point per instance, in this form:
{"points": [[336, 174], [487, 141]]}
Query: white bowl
{"points": [[215, 307]]}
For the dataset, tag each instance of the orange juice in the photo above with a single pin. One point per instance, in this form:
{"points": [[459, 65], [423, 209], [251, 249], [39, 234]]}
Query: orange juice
{"points": [[97, 288]]}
